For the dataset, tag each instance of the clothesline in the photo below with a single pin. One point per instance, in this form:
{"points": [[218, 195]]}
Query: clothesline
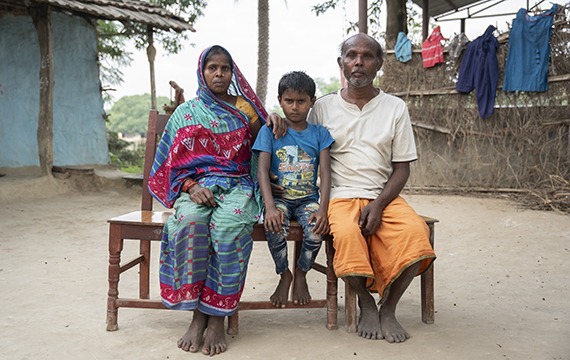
{"points": [[502, 38]]}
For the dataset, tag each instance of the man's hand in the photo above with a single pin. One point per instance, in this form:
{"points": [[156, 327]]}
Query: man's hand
{"points": [[321, 223], [371, 218], [273, 220], [277, 124], [202, 196]]}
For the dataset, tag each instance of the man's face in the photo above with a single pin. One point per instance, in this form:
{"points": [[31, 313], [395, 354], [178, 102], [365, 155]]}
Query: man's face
{"points": [[359, 63]]}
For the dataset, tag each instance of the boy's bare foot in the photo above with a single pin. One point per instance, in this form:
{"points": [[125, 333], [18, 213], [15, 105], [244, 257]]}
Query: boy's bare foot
{"points": [[368, 322], [215, 339], [392, 331], [281, 294], [301, 295], [191, 340]]}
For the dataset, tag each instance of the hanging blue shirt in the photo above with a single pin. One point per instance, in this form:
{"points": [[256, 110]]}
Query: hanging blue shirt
{"points": [[529, 51], [403, 48], [479, 70]]}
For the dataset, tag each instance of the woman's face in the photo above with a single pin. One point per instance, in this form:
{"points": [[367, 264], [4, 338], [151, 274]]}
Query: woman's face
{"points": [[218, 74]]}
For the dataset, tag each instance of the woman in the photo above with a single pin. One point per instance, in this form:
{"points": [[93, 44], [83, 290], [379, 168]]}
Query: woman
{"points": [[202, 169]]}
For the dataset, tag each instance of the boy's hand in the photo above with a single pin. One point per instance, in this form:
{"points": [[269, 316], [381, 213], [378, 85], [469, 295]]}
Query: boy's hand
{"points": [[273, 220], [321, 223]]}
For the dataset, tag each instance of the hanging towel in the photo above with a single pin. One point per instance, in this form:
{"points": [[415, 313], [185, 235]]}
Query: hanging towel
{"points": [[432, 51], [403, 48], [529, 51], [479, 70]]}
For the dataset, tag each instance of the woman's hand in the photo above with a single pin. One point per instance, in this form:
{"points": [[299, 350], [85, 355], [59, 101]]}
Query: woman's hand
{"points": [[320, 221], [277, 125], [202, 196]]}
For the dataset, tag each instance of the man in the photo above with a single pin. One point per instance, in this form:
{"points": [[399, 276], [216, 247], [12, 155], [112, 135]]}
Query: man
{"points": [[380, 242]]}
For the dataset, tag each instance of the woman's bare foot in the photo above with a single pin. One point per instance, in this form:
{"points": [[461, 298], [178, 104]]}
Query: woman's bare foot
{"points": [[392, 331], [301, 295], [215, 339], [281, 294], [368, 322], [191, 340]]}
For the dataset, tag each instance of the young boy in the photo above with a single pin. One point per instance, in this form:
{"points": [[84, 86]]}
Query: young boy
{"points": [[294, 159]]}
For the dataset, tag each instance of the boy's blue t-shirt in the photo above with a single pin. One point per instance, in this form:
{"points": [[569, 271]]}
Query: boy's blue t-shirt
{"points": [[295, 158]]}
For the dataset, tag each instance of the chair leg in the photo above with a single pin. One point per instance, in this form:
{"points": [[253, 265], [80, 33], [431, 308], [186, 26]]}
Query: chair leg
{"points": [[115, 248], [332, 288], [144, 270], [233, 324]]}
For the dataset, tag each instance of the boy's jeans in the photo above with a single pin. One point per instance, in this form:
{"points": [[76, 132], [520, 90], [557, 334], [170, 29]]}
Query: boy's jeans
{"points": [[299, 210]]}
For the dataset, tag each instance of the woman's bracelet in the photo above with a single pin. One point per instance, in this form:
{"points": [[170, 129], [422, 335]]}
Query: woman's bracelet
{"points": [[188, 184]]}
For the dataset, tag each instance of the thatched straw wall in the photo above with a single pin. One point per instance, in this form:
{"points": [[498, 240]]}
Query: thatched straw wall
{"points": [[525, 144]]}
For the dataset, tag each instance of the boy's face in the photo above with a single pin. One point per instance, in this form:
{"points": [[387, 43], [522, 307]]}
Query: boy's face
{"points": [[296, 105]]}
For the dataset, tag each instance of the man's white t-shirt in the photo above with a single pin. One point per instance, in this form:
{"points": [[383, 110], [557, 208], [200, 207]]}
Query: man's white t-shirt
{"points": [[366, 143]]}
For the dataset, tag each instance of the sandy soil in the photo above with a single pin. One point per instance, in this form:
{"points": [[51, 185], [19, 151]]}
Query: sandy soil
{"points": [[502, 286]]}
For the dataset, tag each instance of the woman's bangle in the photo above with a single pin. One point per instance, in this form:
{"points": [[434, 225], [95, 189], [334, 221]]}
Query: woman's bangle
{"points": [[188, 184]]}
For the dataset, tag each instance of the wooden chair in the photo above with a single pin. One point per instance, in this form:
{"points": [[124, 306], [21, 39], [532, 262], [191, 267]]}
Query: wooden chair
{"points": [[426, 287], [146, 225]]}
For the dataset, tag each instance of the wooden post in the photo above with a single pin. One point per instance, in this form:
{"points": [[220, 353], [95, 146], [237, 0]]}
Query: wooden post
{"points": [[425, 19], [363, 16], [42, 22], [151, 55]]}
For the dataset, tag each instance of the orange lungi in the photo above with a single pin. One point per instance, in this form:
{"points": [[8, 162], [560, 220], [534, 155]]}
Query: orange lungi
{"points": [[401, 240]]}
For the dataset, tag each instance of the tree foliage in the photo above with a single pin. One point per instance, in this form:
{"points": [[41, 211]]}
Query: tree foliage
{"points": [[113, 37], [327, 86], [129, 114], [399, 17]]}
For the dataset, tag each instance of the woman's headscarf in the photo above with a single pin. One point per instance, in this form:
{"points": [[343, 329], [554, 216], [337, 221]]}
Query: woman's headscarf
{"points": [[186, 150], [238, 86]]}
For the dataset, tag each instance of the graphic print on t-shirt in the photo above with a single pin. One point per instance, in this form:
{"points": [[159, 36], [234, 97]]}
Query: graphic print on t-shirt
{"points": [[296, 171]]}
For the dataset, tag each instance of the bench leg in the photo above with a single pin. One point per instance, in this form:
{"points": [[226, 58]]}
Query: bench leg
{"points": [[233, 324], [115, 248], [427, 285], [350, 315], [332, 288]]}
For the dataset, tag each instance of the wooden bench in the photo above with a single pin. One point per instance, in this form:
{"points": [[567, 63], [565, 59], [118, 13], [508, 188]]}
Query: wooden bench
{"points": [[145, 226]]}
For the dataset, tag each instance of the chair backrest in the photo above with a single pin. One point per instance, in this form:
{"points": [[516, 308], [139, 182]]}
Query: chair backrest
{"points": [[156, 124]]}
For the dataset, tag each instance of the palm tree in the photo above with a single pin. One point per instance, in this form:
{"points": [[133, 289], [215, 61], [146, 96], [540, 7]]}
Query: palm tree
{"points": [[262, 49]]}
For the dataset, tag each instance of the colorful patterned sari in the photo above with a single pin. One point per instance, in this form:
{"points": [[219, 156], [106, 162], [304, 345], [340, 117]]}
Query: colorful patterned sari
{"points": [[205, 250]]}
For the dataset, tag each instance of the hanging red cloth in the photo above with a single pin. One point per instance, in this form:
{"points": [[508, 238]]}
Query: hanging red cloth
{"points": [[432, 50]]}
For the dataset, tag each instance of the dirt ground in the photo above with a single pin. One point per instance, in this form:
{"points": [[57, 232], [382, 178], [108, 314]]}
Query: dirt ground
{"points": [[502, 286]]}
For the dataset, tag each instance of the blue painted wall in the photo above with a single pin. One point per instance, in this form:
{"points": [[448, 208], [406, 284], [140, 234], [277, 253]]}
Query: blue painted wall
{"points": [[78, 126]]}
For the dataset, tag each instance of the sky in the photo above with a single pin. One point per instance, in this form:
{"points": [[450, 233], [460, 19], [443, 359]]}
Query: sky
{"points": [[298, 40]]}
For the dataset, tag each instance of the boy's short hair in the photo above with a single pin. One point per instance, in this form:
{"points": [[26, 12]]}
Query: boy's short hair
{"points": [[297, 81]]}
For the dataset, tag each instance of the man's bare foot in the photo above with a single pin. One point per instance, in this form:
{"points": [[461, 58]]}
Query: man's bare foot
{"points": [[301, 295], [392, 331], [368, 322], [215, 339], [281, 294], [191, 340]]}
